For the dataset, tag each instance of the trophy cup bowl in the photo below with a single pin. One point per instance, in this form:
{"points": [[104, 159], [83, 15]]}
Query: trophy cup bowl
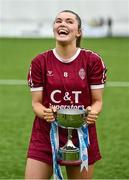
{"points": [[70, 119]]}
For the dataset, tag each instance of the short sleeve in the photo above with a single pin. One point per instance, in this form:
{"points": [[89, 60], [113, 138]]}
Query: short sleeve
{"points": [[97, 72], [36, 74]]}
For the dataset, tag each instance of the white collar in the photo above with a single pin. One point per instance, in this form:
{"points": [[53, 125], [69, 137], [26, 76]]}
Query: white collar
{"points": [[70, 59]]}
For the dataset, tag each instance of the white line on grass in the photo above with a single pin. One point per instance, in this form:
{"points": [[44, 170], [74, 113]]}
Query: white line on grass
{"points": [[117, 84], [24, 82], [12, 82]]}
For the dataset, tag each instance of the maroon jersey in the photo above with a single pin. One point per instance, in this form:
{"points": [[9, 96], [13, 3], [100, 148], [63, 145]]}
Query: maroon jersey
{"points": [[65, 84]]}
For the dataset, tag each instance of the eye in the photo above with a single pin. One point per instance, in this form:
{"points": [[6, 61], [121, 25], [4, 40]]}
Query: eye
{"points": [[70, 22], [58, 21]]}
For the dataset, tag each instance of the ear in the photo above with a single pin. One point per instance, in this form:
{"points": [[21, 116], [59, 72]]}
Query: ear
{"points": [[79, 33]]}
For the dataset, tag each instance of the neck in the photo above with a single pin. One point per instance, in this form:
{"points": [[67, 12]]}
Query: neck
{"points": [[66, 51]]}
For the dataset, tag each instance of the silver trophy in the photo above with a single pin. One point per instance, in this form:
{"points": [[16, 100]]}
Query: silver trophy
{"points": [[70, 119]]}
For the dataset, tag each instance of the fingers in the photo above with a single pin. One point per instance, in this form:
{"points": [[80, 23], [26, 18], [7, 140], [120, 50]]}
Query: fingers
{"points": [[92, 115], [49, 114], [91, 118], [54, 109]]}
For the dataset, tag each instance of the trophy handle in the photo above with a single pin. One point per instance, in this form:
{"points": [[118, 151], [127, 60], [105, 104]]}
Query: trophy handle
{"points": [[86, 113]]}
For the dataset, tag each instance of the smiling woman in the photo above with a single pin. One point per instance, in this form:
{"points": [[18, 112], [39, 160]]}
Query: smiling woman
{"points": [[71, 23], [66, 77]]}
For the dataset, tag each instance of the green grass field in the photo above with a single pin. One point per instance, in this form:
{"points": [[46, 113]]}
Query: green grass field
{"points": [[16, 116]]}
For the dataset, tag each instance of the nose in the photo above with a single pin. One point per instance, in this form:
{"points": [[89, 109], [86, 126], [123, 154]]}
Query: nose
{"points": [[63, 23]]}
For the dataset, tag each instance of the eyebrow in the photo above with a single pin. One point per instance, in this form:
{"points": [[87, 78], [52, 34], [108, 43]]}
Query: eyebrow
{"points": [[66, 19]]}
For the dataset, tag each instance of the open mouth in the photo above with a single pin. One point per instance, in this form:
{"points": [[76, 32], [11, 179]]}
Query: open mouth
{"points": [[63, 32]]}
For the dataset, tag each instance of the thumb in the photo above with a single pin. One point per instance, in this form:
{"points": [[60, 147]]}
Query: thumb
{"points": [[88, 109], [54, 109]]}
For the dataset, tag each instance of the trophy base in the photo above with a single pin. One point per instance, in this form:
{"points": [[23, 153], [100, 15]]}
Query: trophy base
{"points": [[69, 157], [69, 163]]}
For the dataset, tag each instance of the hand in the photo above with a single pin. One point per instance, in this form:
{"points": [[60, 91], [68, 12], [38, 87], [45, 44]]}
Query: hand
{"points": [[92, 115], [49, 114]]}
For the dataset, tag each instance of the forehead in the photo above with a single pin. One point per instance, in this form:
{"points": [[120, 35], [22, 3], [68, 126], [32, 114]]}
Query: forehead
{"points": [[66, 15]]}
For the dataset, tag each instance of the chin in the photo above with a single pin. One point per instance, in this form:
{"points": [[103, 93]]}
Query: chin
{"points": [[62, 41]]}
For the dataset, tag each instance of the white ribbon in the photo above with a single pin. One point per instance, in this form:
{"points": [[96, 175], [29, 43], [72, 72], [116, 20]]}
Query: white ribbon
{"points": [[83, 136], [54, 138]]}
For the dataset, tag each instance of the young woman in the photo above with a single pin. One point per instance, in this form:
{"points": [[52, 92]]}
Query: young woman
{"points": [[64, 77]]}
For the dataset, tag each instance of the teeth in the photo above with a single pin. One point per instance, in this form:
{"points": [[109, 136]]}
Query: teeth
{"points": [[63, 31]]}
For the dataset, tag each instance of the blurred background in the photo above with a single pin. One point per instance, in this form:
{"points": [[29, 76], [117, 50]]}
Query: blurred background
{"points": [[34, 18], [25, 31]]}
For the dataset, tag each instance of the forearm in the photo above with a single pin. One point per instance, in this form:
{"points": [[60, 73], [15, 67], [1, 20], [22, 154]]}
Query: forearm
{"points": [[44, 113], [97, 106], [38, 109]]}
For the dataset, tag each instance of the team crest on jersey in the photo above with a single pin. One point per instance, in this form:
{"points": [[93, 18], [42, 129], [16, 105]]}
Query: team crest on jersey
{"points": [[49, 73], [82, 73]]}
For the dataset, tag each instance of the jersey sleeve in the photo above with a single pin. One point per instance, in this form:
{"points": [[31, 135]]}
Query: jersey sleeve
{"points": [[97, 72], [36, 74]]}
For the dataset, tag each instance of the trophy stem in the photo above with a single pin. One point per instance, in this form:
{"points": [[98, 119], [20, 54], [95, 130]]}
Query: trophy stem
{"points": [[69, 145], [70, 134]]}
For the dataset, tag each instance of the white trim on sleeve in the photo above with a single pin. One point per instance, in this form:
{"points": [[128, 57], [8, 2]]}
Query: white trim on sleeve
{"points": [[97, 86], [36, 89]]}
